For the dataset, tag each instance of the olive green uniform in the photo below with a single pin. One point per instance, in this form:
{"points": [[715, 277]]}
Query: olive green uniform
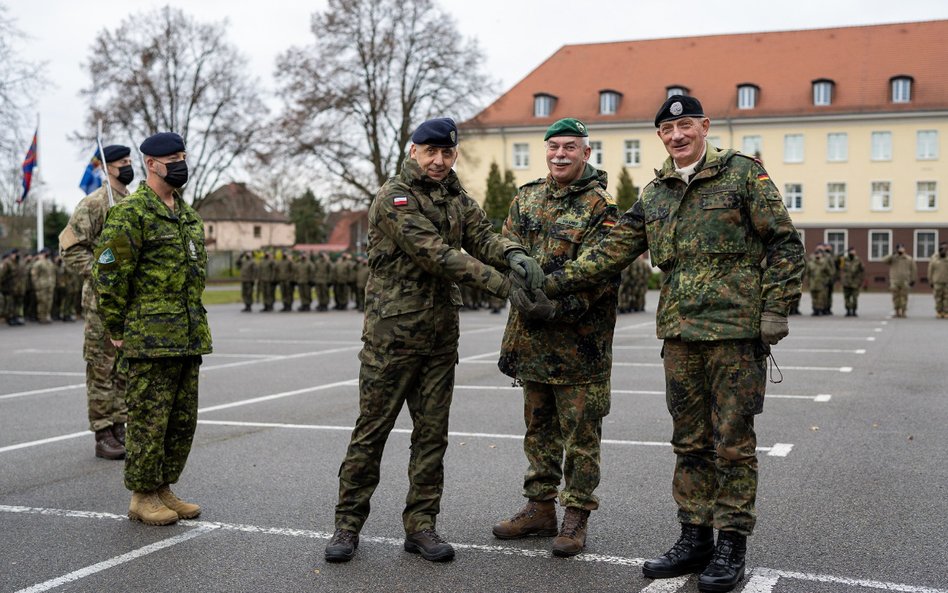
{"points": [[902, 275], [938, 277], [852, 272]]}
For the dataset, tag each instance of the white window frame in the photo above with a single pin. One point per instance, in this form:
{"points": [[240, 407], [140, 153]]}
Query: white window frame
{"points": [[787, 196], [835, 207], [715, 141], [826, 239], [608, 102], [520, 154], [918, 256], [793, 148], [932, 196], [543, 105], [752, 145], [822, 93], [595, 157], [887, 193], [746, 96], [926, 145], [837, 147], [869, 237], [632, 153], [902, 89], [881, 146]]}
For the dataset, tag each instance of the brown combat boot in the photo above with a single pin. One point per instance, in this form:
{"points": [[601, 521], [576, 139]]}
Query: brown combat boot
{"points": [[106, 446], [148, 508], [538, 518], [184, 510], [572, 537]]}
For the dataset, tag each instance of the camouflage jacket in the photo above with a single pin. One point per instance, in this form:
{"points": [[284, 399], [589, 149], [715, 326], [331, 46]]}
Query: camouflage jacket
{"points": [[902, 269], [304, 270], [266, 270], [938, 269], [284, 269], [149, 276], [555, 226], [417, 230], [851, 272], [43, 274], [78, 240], [819, 271], [724, 241], [323, 271], [248, 269]]}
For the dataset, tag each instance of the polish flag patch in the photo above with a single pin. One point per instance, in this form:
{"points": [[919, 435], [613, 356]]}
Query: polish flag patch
{"points": [[400, 201]]}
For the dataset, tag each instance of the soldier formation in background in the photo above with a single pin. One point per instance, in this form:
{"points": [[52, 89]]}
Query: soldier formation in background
{"points": [[902, 275], [938, 277]]}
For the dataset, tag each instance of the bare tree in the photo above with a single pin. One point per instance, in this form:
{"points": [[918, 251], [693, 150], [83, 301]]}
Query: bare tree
{"points": [[376, 69], [176, 74]]}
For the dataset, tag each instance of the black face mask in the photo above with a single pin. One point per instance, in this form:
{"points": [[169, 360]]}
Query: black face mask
{"points": [[177, 174], [126, 174]]}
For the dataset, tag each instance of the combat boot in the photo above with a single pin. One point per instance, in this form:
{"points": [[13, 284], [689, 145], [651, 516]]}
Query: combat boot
{"points": [[538, 518], [184, 510], [572, 537], [106, 445], [118, 431], [430, 545], [342, 546], [691, 553], [727, 564], [148, 508]]}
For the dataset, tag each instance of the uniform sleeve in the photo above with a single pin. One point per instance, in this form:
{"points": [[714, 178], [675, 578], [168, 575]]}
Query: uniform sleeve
{"points": [[78, 240], [115, 261]]}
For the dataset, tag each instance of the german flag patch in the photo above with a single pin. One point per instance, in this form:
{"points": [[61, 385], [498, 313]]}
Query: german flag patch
{"points": [[763, 177], [609, 223]]}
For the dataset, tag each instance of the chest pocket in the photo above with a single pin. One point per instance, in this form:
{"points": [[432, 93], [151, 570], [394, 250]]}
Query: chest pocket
{"points": [[563, 242], [722, 229]]}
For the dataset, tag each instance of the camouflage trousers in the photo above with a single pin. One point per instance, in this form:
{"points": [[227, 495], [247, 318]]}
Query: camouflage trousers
{"points": [[269, 294], [900, 294], [162, 416], [246, 292], [341, 292], [564, 421], [386, 382], [818, 296], [44, 302], [105, 382], [322, 294], [286, 293], [940, 292], [306, 293], [851, 297], [713, 390]]}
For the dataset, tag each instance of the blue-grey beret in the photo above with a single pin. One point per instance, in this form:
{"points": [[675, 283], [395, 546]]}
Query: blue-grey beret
{"points": [[162, 144], [114, 152], [678, 106], [442, 132]]}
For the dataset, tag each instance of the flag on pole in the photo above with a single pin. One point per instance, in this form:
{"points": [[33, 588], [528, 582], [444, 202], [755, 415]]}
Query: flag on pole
{"points": [[92, 177], [29, 163]]}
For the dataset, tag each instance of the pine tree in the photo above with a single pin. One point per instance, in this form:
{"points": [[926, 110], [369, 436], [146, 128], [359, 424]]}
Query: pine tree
{"points": [[500, 192], [307, 213], [626, 192]]}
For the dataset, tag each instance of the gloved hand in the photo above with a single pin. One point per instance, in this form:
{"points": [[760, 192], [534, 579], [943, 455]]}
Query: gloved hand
{"points": [[527, 267], [773, 327], [538, 308]]}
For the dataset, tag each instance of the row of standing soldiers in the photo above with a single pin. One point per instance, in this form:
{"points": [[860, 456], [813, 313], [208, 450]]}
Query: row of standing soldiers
{"points": [[823, 269], [334, 283], [38, 287]]}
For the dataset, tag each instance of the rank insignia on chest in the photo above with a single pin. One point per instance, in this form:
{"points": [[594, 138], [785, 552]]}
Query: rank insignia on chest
{"points": [[192, 249], [399, 201], [107, 257]]}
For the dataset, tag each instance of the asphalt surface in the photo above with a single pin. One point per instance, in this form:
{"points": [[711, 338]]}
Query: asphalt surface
{"points": [[853, 495]]}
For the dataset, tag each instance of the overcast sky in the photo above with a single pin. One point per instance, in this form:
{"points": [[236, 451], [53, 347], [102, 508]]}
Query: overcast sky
{"points": [[515, 35]]}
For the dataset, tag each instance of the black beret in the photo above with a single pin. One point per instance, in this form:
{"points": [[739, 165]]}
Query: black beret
{"points": [[442, 132], [162, 144], [114, 152], [678, 106]]}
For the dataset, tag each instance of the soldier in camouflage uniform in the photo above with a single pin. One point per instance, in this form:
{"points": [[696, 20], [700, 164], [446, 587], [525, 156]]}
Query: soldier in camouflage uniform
{"points": [[150, 273], [818, 269], [248, 275], [560, 350], [938, 278], [362, 280], [266, 280], [641, 272], [8, 275], [340, 279], [105, 381], [43, 277], [902, 275], [285, 278], [851, 275], [716, 225], [303, 271], [322, 279], [418, 224]]}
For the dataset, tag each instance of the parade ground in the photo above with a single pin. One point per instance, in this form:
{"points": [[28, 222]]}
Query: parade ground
{"points": [[853, 491]]}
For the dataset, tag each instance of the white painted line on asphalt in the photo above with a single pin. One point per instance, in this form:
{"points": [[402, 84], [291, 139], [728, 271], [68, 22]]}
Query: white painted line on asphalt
{"points": [[43, 373], [878, 329], [779, 350], [823, 397], [832, 369], [760, 576], [117, 560], [660, 365], [824, 338], [667, 585], [44, 351], [264, 398], [479, 356], [43, 441], [778, 450], [221, 355], [42, 391], [229, 365], [269, 341], [623, 328]]}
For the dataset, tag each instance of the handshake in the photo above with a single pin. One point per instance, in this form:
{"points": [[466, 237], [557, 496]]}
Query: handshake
{"points": [[526, 288]]}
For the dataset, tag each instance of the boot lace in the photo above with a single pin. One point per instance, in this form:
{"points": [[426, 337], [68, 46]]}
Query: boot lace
{"points": [[685, 544], [722, 552], [433, 535], [343, 536], [571, 524]]}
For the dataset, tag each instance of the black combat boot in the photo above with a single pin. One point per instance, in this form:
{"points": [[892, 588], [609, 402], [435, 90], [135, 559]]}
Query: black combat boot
{"points": [[691, 553], [106, 445], [342, 546], [727, 565], [430, 545]]}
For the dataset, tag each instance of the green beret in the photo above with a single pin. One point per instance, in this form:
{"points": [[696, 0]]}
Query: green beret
{"points": [[567, 126]]}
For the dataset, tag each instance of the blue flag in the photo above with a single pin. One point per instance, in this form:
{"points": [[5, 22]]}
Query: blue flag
{"points": [[29, 163], [92, 178]]}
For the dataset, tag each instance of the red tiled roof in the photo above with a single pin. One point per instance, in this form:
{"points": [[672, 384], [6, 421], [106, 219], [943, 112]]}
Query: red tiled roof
{"points": [[235, 201], [859, 60]]}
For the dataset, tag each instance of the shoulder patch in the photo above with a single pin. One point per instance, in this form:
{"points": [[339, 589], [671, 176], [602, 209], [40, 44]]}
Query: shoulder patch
{"points": [[400, 201], [107, 257]]}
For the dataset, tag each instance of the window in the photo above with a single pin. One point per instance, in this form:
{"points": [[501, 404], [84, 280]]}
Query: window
{"points": [[210, 229], [595, 158], [926, 197], [835, 196], [926, 145], [822, 92], [752, 146], [609, 102], [881, 195], [925, 242], [793, 196], [837, 147], [675, 90], [257, 231], [902, 89], [543, 105], [837, 239], [633, 153], [747, 96], [880, 245], [793, 148], [521, 155], [882, 146], [715, 141]]}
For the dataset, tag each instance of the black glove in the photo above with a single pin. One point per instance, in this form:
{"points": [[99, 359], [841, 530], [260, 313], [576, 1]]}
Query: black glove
{"points": [[527, 267], [538, 308]]}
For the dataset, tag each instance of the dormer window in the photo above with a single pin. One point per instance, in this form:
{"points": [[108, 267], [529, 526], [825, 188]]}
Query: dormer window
{"points": [[543, 105], [675, 90], [823, 92], [901, 89], [609, 102], [747, 96]]}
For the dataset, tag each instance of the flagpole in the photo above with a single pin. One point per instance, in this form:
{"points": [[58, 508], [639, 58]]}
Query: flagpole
{"points": [[39, 196], [105, 167]]}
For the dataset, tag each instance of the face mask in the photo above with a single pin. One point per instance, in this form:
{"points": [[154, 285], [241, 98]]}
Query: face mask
{"points": [[852, 255], [126, 174], [177, 174]]}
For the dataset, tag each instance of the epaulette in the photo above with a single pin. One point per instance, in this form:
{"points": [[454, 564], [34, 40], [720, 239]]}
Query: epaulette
{"points": [[534, 182], [605, 195], [746, 156]]}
